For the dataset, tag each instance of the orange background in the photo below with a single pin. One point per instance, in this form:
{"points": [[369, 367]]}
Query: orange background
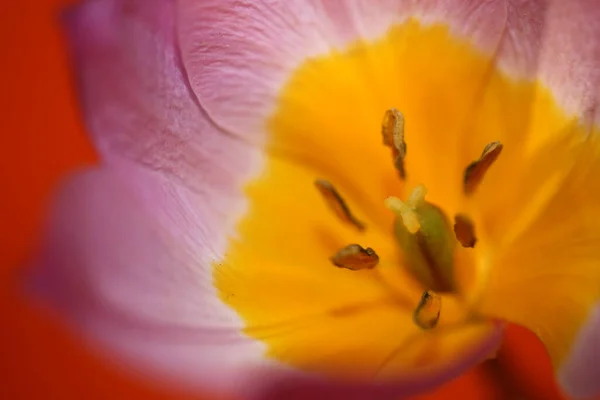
{"points": [[42, 139]]}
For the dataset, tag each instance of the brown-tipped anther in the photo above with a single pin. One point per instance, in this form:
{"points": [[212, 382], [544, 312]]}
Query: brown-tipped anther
{"points": [[392, 130], [475, 172], [337, 203], [355, 258], [464, 230], [427, 313]]}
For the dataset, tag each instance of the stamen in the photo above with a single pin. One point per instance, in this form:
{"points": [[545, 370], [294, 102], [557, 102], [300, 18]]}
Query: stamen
{"points": [[337, 203], [475, 171], [464, 230], [406, 211], [427, 313], [355, 258], [392, 130]]}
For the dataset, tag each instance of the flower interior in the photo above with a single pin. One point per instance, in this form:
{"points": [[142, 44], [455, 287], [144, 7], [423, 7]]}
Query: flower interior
{"points": [[414, 193]]}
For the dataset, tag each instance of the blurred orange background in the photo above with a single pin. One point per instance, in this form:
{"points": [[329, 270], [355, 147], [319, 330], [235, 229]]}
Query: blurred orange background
{"points": [[41, 140]]}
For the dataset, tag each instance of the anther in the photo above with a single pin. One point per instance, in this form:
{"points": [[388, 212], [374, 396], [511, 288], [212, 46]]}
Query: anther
{"points": [[337, 203], [427, 313], [475, 171], [392, 130], [355, 258], [464, 230]]}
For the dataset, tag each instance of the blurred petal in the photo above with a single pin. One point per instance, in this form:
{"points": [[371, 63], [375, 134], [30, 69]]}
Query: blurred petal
{"points": [[130, 249], [240, 53], [402, 388], [129, 267], [579, 375]]}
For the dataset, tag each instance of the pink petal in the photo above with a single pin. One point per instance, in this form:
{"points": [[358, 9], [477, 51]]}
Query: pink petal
{"points": [[135, 270], [579, 375], [131, 267], [137, 101], [559, 42], [570, 59], [239, 53], [141, 111]]}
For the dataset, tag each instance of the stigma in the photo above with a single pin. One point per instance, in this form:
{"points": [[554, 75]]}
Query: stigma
{"points": [[407, 211]]}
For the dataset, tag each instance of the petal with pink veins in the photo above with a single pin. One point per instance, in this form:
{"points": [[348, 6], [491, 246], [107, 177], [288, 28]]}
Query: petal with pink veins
{"points": [[137, 101], [559, 43]]}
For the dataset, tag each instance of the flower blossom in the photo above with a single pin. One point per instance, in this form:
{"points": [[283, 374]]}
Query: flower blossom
{"points": [[334, 197]]}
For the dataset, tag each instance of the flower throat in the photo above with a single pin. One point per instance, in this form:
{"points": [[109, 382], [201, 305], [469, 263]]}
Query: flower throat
{"points": [[422, 229]]}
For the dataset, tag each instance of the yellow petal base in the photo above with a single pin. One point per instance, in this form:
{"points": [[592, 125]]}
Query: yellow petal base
{"points": [[534, 212]]}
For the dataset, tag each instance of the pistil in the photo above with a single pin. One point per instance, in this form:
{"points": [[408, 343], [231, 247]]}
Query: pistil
{"points": [[427, 240]]}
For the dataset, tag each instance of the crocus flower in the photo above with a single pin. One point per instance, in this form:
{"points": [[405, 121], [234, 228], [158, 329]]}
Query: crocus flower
{"points": [[303, 194]]}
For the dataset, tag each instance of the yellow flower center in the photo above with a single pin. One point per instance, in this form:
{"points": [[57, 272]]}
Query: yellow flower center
{"points": [[375, 317]]}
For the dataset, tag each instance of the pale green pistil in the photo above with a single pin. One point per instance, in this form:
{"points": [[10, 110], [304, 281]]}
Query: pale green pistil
{"points": [[427, 240]]}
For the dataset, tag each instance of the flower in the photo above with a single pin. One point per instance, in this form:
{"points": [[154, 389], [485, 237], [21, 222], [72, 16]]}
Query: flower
{"points": [[202, 251]]}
